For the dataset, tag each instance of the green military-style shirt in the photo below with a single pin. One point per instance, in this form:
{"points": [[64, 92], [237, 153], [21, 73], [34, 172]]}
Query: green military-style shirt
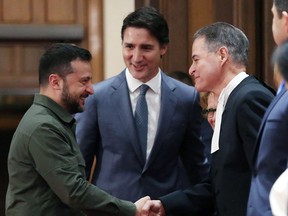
{"points": [[47, 171]]}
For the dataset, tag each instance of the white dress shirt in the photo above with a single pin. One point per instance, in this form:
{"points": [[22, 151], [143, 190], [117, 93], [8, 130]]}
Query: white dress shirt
{"points": [[279, 195], [153, 97], [223, 97]]}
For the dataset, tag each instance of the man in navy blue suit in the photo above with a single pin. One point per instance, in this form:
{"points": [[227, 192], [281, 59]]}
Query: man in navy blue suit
{"points": [[175, 156], [270, 158], [279, 192]]}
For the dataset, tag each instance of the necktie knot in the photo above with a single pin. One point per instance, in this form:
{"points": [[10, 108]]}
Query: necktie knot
{"points": [[143, 89]]}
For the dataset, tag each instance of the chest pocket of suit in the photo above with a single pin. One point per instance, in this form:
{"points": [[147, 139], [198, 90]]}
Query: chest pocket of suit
{"points": [[175, 134], [178, 124]]}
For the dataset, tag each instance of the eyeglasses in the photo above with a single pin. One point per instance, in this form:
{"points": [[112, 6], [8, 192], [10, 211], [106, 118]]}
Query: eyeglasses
{"points": [[208, 113]]}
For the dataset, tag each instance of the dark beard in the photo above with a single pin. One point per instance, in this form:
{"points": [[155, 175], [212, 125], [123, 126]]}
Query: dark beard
{"points": [[70, 102]]}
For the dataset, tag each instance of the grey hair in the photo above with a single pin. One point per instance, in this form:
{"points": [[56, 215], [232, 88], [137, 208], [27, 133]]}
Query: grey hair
{"points": [[224, 34]]}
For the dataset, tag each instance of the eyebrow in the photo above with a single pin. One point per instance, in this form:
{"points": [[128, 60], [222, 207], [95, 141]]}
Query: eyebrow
{"points": [[194, 56], [86, 78]]}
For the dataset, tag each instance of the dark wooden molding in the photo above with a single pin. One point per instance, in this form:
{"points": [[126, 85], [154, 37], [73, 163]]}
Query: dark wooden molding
{"points": [[18, 91], [41, 32], [16, 99]]}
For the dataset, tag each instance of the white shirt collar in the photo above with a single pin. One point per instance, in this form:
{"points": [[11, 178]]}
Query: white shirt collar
{"points": [[133, 84], [221, 105], [231, 86]]}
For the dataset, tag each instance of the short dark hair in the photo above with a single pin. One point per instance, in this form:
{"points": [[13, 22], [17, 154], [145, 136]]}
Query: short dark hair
{"points": [[57, 59], [281, 5], [224, 34], [150, 19], [280, 58]]}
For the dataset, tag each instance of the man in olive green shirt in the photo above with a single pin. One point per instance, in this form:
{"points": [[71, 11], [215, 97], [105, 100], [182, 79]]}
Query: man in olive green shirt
{"points": [[46, 168]]}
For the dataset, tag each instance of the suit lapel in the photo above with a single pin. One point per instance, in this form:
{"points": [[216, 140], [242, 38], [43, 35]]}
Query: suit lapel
{"points": [[122, 104], [167, 109]]}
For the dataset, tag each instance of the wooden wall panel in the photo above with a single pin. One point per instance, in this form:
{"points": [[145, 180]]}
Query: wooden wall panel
{"points": [[244, 17], [15, 11], [18, 62], [19, 67], [48, 13], [31, 54], [6, 60], [176, 57], [20, 55], [1, 10], [267, 42], [242, 14], [38, 8], [64, 11], [200, 13]]}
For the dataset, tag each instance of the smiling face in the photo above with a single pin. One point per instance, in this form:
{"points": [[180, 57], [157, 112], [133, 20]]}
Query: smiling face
{"points": [[77, 87], [141, 53], [205, 68]]}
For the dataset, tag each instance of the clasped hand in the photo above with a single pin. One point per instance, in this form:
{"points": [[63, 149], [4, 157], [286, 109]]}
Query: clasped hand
{"points": [[147, 207]]}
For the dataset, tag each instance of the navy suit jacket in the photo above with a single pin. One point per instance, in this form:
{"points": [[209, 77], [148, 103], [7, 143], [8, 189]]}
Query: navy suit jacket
{"points": [[106, 129], [270, 159]]}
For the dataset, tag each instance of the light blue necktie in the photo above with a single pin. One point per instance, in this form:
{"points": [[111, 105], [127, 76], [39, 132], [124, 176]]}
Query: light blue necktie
{"points": [[141, 118]]}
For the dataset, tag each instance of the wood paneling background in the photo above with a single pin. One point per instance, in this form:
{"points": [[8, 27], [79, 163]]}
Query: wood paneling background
{"points": [[20, 53], [20, 64]]}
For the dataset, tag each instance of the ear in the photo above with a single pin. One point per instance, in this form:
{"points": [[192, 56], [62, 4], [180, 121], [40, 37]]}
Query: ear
{"points": [[55, 81], [223, 55], [163, 49], [285, 18]]}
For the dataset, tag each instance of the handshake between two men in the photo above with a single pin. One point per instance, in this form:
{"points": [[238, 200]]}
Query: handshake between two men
{"points": [[147, 207]]}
